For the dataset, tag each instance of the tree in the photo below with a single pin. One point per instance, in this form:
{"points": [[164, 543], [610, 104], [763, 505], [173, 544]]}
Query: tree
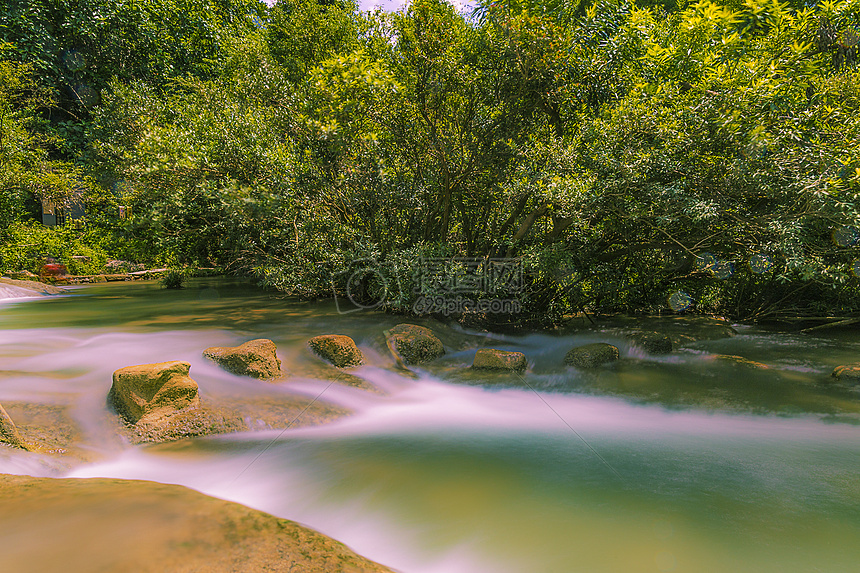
{"points": [[76, 47], [303, 33]]}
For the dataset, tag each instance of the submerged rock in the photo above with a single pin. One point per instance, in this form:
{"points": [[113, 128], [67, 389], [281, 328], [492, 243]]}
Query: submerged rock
{"points": [[591, 355], [337, 349], [51, 429], [414, 344], [149, 393], [653, 342], [256, 358], [9, 432], [492, 359], [280, 411], [740, 361], [187, 423], [847, 373], [681, 330]]}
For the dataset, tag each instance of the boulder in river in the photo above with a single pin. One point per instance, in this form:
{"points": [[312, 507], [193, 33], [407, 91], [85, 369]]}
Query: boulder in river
{"points": [[152, 392], [653, 342], [161, 403], [414, 344], [847, 373], [492, 359], [592, 355], [337, 349], [256, 358], [8, 431]]}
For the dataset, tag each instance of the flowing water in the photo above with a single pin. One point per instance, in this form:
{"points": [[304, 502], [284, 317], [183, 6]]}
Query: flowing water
{"points": [[683, 462]]}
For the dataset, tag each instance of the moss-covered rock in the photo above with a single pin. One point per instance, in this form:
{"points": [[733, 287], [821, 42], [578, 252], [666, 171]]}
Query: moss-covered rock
{"points": [[492, 359], [591, 355], [337, 349], [653, 342], [256, 358], [414, 344], [847, 373], [9, 432], [152, 392]]}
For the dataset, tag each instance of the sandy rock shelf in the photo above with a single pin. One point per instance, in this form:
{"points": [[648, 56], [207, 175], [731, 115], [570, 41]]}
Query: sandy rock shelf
{"points": [[86, 525]]}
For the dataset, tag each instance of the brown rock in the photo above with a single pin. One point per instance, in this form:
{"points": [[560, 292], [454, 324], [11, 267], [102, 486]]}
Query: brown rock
{"points": [[256, 358], [338, 349], [492, 359], [151, 392], [414, 344]]}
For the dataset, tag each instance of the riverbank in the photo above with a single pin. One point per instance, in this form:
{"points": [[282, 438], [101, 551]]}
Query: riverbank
{"points": [[24, 279]]}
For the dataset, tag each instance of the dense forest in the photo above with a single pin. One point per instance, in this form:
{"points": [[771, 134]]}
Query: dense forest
{"points": [[631, 156]]}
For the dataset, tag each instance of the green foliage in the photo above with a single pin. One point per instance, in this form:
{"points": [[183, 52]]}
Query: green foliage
{"points": [[77, 46], [175, 278], [302, 33], [609, 146], [27, 173], [28, 244]]}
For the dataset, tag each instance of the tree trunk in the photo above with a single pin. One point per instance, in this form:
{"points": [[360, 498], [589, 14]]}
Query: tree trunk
{"points": [[559, 225], [526, 226]]}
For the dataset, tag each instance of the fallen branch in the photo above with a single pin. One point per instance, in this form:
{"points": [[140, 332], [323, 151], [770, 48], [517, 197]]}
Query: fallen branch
{"points": [[844, 322]]}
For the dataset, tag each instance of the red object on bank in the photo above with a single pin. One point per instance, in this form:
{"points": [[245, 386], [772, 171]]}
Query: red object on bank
{"points": [[54, 270]]}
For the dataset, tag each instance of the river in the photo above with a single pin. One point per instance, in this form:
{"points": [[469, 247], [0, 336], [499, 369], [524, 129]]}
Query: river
{"points": [[682, 462]]}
